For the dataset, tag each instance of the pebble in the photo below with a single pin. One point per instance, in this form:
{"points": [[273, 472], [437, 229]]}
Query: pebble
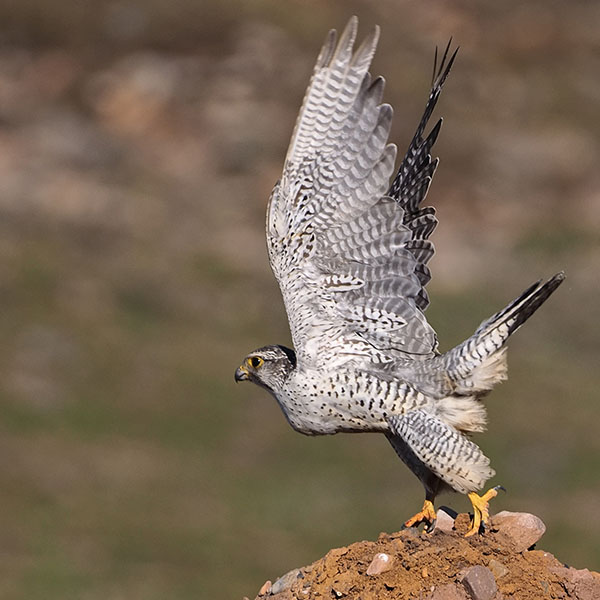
{"points": [[448, 592], [580, 583], [286, 581], [480, 583], [381, 562], [523, 529], [265, 589], [497, 568], [444, 519]]}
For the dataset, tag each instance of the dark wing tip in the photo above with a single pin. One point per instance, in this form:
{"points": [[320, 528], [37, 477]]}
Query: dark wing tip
{"points": [[554, 282], [441, 73]]}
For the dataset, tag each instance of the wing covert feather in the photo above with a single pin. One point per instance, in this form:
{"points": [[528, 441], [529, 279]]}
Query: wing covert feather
{"points": [[351, 260]]}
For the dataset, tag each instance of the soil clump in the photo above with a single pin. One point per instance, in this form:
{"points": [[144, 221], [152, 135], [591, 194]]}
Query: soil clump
{"points": [[500, 564]]}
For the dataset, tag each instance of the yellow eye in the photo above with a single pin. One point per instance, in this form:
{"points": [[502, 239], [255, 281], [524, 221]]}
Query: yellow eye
{"points": [[255, 362]]}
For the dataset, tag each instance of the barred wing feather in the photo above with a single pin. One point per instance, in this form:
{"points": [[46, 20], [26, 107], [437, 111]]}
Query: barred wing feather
{"points": [[349, 258]]}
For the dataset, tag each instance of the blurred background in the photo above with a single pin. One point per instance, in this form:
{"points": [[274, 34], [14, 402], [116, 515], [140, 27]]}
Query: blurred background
{"points": [[139, 141]]}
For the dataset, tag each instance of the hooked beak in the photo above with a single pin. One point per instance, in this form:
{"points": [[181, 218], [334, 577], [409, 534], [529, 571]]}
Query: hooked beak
{"points": [[241, 374]]}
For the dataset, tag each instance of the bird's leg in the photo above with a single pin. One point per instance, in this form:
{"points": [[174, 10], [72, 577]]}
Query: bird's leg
{"points": [[481, 512], [425, 515]]}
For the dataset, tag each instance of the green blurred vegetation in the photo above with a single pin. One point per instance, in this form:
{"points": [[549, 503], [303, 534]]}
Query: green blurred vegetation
{"points": [[138, 144]]}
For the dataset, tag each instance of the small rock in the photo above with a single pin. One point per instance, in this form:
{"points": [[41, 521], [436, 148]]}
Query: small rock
{"points": [[448, 592], [381, 562], [523, 529], [445, 519], [480, 583], [580, 583], [497, 568], [265, 589], [342, 587], [286, 581]]}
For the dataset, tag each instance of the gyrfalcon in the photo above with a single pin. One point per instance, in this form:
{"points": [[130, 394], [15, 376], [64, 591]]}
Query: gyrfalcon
{"points": [[350, 253]]}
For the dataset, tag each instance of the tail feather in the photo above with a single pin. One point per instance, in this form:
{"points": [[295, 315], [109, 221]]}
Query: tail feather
{"points": [[477, 364]]}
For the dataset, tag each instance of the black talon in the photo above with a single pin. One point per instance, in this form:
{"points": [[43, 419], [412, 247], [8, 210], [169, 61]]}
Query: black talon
{"points": [[430, 526]]}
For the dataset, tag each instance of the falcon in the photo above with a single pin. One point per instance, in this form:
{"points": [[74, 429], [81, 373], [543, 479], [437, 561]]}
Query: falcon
{"points": [[350, 250]]}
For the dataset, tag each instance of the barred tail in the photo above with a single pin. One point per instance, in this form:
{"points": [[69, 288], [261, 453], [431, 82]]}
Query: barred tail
{"points": [[477, 364]]}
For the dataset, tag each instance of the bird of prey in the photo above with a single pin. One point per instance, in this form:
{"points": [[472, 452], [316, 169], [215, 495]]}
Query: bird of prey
{"points": [[350, 250]]}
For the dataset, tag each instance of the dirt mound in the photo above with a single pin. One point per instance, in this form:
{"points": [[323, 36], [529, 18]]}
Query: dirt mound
{"points": [[443, 565]]}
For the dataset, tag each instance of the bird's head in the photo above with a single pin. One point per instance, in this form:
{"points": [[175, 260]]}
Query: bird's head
{"points": [[268, 367]]}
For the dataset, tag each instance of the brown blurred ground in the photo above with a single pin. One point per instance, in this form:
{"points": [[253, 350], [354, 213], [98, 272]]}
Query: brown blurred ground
{"points": [[138, 144]]}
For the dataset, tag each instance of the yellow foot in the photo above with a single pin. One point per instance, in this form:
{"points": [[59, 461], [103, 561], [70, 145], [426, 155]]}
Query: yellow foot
{"points": [[425, 515], [481, 512]]}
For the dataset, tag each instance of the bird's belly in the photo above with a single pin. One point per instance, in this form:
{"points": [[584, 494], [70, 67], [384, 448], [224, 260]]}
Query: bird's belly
{"points": [[340, 404], [322, 416]]}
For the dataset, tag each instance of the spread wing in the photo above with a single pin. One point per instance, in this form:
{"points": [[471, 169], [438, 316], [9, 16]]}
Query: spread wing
{"points": [[349, 251]]}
